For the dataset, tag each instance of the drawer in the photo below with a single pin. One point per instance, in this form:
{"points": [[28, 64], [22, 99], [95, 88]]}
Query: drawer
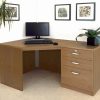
{"points": [[77, 78], [77, 53], [77, 63]]}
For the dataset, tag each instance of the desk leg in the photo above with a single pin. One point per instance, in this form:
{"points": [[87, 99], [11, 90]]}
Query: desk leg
{"points": [[11, 67]]}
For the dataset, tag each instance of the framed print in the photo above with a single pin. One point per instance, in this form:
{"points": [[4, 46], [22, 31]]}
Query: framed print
{"points": [[63, 12], [85, 11], [15, 11]]}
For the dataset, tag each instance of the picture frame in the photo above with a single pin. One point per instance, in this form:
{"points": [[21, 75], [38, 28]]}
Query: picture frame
{"points": [[16, 11], [85, 11], [63, 12]]}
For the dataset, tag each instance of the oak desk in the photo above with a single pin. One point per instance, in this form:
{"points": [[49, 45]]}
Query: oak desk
{"points": [[78, 63]]}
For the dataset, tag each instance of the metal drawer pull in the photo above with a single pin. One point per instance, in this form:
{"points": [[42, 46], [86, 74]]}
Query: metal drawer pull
{"points": [[75, 73], [75, 63], [75, 50], [75, 53]]}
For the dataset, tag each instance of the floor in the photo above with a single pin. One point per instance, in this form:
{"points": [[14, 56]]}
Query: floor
{"points": [[43, 85]]}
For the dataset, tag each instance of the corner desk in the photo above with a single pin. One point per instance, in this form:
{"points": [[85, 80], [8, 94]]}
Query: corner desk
{"points": [[78, 64]]}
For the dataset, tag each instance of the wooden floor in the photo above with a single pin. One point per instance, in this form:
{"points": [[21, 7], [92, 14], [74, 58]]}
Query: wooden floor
{"points": [[43, 85]]}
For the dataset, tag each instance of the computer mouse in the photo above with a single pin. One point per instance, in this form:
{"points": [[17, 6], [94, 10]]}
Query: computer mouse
{"points": [[55, 43]]}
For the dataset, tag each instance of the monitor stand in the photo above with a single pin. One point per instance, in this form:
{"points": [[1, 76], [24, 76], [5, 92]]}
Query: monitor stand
{"points": [[37, 37]]}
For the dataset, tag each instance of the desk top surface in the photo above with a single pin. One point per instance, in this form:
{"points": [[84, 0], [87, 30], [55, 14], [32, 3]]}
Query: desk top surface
{"points": [[61, 43]]}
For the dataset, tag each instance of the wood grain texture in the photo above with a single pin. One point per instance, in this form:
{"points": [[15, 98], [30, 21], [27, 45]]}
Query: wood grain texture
{"points": [[78, 53], [28, 61], [77, 63], [82, 80], [11, 67], [50, 60], [61, 43], [89, 64], [96, 70], [78, 89], [15, 54]]}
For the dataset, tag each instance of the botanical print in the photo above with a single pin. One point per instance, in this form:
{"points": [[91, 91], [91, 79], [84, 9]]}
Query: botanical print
{"points": [[85, 11], [62, 12], [13, 10]]}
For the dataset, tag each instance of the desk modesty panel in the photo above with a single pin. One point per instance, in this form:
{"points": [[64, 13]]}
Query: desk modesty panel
{"points": [[78, 63]]}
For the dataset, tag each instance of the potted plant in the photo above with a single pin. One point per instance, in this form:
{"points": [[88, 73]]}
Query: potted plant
{"points": [[92, 36], [5, 13]]}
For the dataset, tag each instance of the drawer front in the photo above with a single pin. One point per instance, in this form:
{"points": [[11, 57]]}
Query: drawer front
{"points": [[77, 63], [78, 53], [77, 78]]}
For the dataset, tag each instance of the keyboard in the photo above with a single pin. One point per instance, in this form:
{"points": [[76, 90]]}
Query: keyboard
{"points": [[38, 41]]}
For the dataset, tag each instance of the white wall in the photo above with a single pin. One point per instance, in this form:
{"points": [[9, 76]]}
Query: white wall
{"points": [[43, 10], [27, 13], [66, 29]]}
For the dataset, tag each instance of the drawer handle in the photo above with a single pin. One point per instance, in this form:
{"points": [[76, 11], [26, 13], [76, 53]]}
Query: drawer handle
{"points": [[75, 73], [75, 63], [75, 53], [75, 50]]}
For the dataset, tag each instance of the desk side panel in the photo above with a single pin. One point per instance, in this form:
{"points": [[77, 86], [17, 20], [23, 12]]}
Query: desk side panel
{"points": [[50, 60], [96, 69], [28, 61], [11, 70]]}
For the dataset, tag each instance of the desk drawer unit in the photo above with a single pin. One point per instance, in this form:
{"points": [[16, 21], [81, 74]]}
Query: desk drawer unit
{"points": [[78, 53], [77, 63], [77, 78], [80, 69]]}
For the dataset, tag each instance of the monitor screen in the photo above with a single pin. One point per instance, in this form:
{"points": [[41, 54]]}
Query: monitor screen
{"points": [[31, 28], [43, 28], [37, 29]]}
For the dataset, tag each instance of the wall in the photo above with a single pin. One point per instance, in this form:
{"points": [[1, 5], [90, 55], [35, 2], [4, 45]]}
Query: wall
{"points": [[27, 13], [66, 29], [43, 10]]}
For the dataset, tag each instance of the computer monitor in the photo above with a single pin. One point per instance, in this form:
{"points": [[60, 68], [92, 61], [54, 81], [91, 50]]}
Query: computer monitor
{"points": [[37, 29]]}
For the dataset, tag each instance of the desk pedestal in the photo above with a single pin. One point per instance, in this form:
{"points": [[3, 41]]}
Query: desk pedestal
{"points": [[11, 70]]}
